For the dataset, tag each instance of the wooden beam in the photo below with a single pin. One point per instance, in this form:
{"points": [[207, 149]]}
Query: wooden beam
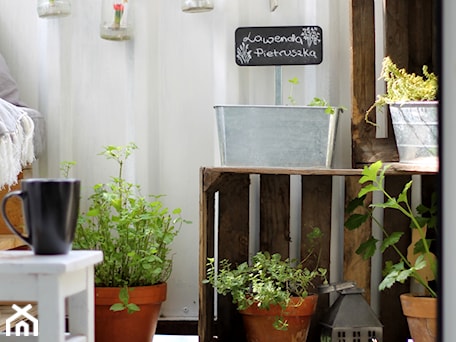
{"points": [[365, 147]]}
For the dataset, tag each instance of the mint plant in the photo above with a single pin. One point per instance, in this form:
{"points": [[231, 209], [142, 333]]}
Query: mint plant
{"points": [[267, 280], [133, 231]]}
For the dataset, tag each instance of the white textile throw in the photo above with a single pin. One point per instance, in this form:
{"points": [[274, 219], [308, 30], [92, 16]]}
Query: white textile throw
{"points": [[16, 142]]}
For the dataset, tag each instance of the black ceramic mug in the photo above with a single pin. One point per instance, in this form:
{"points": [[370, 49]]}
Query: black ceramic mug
{"points": [[51, 209]]}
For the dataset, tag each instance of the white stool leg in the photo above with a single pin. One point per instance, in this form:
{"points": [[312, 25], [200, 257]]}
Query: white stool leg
{"points": [[81, 309], [51, 309]]}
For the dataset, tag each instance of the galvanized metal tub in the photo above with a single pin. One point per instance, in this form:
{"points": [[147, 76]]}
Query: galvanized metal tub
{"points": [[276, 136], [415, 126]]}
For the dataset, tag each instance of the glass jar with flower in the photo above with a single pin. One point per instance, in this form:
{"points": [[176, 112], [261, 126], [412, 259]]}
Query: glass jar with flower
{"points": [[53, 8], [116, 20]]}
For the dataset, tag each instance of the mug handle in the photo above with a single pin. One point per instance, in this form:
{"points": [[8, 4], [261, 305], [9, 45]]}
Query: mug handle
{"points": [[19, 194]]}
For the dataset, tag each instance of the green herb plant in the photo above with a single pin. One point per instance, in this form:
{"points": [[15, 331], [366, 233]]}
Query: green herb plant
{"points": [[316, 101], [402, 86], [421, 263], [133, 231], [267, 280], [293, 81], [65, 167]]}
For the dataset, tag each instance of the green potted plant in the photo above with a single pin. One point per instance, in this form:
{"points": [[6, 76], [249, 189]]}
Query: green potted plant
{"points": [[418, 263], [273, 295], [412, 102], [134, 232]]}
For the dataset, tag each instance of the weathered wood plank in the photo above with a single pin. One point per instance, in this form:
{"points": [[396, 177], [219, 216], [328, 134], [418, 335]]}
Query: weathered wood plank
{"points": [[233, 242], [206, 249], [316, 213], [395, 168], [13, 209], [275, 214], [365, 147], [395, 324], [355, 268], [396, 32]]}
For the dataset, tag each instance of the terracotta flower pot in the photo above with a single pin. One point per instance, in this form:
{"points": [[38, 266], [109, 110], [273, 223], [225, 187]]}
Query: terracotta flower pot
{"points": [[121, 326], [421, 313], [258, 322]]}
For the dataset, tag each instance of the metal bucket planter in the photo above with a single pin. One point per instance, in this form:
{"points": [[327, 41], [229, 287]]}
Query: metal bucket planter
{"points": [[415, 126], [276, 136]]}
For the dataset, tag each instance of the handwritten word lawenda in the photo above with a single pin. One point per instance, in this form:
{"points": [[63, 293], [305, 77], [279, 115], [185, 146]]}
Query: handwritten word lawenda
{"points": [[273, 39], [259, 52]]}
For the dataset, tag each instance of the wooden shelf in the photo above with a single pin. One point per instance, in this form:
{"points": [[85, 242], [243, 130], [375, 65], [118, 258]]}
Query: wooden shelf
{"points": [[394, 168], [226, 209]]}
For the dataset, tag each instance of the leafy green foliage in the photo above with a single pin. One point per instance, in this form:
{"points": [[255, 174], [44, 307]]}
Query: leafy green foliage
{"points": [[316, 101], [65, 167], [267, 280], [134, 232], [319, 102], [124, 297], [373, 179], [402, 86], [294, 81]]}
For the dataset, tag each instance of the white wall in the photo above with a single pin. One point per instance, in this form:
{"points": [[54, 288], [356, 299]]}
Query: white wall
{"points": [[158, 90]]}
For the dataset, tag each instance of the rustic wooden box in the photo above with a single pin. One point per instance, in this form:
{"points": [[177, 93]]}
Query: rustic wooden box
{"points": [[14, 211], [226, 210]]}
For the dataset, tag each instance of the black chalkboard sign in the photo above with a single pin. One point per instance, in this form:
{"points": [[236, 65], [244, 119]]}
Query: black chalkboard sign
{"points": [[281, 45]]}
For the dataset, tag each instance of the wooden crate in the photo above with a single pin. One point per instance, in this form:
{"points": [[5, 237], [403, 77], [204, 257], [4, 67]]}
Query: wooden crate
{"points": [[225, 198], [14, 211]]}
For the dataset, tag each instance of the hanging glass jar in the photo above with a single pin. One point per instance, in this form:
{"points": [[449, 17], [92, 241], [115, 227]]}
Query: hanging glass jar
{"points": [[116, 20], [195, 6], [53, 8]]}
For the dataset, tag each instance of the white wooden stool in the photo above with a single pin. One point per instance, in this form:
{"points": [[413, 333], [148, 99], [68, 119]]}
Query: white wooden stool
{"points": [[49, 280]]}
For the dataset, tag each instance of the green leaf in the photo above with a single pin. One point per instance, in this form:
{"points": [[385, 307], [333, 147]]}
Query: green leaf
{"points": [[367, 248], [355, 221], [294, 80], [366, 189], [419, 247], [131, 308], [420, 263], [403, 198], [124, 295], [391, 240], [355, 203], [117, 307]]}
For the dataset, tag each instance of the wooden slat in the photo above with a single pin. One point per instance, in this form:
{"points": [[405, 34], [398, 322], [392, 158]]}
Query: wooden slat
{"points": [[355, 268], [13, 209], [396, 35], [395, 324], [365, 147], [233, 245], [206, 249], [275, 214], [217, 173], [411, 34], [9, 241], [316, 212]]}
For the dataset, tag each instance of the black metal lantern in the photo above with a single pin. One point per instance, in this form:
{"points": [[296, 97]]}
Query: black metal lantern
{"points": [[350, 318]]}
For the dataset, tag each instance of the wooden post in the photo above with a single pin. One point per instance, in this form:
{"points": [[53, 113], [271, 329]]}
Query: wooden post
{"points": [[365, 147]]}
